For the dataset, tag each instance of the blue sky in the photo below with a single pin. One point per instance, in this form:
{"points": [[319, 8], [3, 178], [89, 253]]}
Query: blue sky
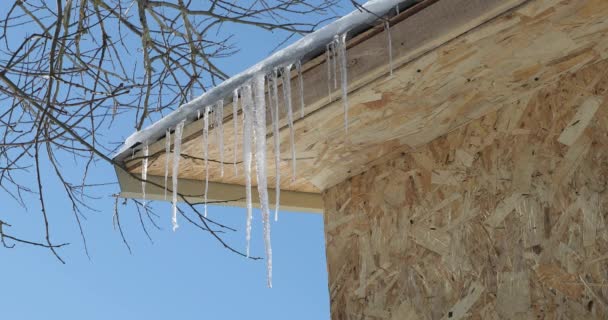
{"points": [[182, 275]]}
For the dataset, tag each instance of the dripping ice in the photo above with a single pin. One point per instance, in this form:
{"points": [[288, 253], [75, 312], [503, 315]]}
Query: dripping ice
{"points": [[387, 29], [287, 98], [144, 172], [260, 161], [247, 106], [167, 152], [300, 87], [273, 104], [177, 145], [336, 60], [329, 70], [336, 55], [206, 153], [344, 73], [219, 129], [235, 110]]}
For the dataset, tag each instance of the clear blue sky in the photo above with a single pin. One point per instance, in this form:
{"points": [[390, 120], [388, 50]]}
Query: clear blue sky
{"points": [[182, 275]]}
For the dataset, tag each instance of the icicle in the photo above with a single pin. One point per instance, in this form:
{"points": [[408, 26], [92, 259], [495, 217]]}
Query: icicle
{"points": [[328, 62], [260, 161], [300, 87], [344, 74], [206, 152], [167, 152], [275, 90], [387, 29], [273, 104], [144, 172], [397, 9], [335, 45], [235, 111], [177, 145], [287, 99], [219, 123], [247, 107]]}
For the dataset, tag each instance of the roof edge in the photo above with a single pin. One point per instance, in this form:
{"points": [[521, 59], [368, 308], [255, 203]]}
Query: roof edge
{"points": [[369, 13]]}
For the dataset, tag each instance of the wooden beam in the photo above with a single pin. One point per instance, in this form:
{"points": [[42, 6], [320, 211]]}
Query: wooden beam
{"points": [[219, 193]]}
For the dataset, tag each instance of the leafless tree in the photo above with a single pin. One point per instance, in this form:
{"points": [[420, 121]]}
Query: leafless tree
{"points": [[71, 69]]}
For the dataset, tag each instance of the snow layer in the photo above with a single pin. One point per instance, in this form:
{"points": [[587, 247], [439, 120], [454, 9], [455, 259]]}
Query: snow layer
{"points": [[311, 42]]}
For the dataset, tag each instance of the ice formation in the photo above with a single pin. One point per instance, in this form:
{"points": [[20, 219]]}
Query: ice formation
{"points": [[260, 162], [167, 152], [206, 152], [247, 106], [144, 172], [250, 84], [366, 15], [286, 75], [300, 87], [344, 73], [330, 75], [235, 113], [219, 130], [177, 146], [389, 39], [273, 104]]}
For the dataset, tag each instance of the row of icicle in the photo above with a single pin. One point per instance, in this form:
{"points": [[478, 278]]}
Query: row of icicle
{"points": [[252, 99]]}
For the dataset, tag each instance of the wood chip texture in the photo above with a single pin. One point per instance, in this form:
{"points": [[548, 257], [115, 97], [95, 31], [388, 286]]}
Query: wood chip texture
{"points": [[503, 218]]}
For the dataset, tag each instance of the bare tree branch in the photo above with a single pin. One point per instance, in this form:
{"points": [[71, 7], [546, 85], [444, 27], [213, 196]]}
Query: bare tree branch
{"points": [[83, 65]]}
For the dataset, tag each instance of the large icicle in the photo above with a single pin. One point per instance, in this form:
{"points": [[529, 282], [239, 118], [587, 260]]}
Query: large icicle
{"points": [[275, 89], [177, 146], [247, 107], [260, 162], [167, 152], [206, 152], [344, 73], [335, 45], [273, 104], [235, 113], [389, 39], [287, 98], [219, 129], [300, 87], [144, 172]]}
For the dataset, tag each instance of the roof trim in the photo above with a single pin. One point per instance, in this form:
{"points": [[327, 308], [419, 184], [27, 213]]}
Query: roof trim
{"points": [[219, 193]]}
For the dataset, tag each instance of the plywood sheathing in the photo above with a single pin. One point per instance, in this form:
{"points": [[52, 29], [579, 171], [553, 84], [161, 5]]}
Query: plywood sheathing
{"points": [[503, 218], [320, 135]]}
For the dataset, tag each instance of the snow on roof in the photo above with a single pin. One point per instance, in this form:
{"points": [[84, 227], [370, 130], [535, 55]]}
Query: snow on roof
{"points": [[366, 15]]}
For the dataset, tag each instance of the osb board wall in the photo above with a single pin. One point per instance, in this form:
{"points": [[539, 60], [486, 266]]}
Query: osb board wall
{"points": [[504, 218]]}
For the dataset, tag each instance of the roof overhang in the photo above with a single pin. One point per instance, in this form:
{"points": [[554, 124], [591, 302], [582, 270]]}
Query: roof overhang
{"points": [[454, 61]]}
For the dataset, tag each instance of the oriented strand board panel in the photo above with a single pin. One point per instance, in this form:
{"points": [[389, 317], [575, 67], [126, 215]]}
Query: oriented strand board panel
{"points": [[503, 218]]}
